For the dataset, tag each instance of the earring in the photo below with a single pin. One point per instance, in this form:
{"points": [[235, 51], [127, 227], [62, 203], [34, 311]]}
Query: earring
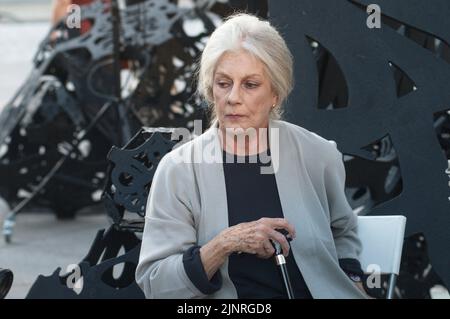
{"points": [[273, 105]]}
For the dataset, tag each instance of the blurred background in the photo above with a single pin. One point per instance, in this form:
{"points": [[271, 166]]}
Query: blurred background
{"points": [[42, 242]]}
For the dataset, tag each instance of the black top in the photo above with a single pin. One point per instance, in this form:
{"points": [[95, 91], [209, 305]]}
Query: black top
{"points": [[251, 196]]}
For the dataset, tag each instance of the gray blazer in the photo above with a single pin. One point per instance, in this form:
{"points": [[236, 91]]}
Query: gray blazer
{"points": [[188, 206]]}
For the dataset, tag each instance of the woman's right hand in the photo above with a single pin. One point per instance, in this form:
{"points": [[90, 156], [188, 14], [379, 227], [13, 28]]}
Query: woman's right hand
{"points": [[254, 237]]}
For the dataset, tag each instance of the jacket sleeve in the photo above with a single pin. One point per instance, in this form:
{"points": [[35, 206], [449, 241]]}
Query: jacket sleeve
{"points": [[343, 220], [169, 231]]}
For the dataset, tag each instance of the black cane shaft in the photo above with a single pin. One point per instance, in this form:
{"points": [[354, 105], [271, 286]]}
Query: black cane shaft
{"points": [[281, 262]]}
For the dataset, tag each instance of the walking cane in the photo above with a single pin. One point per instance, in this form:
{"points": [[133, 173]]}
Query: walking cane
{"points": [[281, 262]]}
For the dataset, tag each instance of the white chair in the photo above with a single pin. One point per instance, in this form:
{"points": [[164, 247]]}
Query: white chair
{"points": [[382, 243]]}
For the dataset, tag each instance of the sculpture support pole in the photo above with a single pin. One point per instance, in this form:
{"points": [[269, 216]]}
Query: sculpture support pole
{"points": [[123, 121]]}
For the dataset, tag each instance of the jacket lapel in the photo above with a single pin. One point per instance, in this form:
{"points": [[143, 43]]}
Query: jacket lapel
{"points": [[291, 188]]}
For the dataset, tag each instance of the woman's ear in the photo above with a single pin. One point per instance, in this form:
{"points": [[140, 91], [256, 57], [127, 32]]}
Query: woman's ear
{"points": [[275, 100]]}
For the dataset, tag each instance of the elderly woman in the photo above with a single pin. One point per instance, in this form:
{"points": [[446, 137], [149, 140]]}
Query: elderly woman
{"points": [[211, 224]]}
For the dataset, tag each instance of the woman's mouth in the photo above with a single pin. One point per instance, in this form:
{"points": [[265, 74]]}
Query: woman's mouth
{"points": [[234, 117]]}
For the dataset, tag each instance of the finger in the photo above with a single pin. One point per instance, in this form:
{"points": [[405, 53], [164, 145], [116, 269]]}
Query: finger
{"points": [[280, 223], [282, 240], [268, 247], [265, 250], [266, 231]]}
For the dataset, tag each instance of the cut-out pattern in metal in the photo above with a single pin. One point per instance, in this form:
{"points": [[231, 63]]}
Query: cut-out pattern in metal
{"points": [[97, 279], [73, 79], [389, 82], [131, 173]]}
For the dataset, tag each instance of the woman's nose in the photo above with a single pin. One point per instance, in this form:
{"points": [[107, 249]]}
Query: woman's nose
{"points": [[235, 95]]}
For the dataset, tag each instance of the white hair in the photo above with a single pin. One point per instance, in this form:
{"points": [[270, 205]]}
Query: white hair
{"points": [[258, 37]]}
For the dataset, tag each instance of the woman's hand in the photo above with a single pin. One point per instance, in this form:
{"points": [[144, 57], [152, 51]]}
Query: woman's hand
{"points": [[254, 237]]}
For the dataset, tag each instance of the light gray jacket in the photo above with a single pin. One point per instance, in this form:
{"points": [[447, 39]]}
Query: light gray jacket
{"points": [[188, 206]]}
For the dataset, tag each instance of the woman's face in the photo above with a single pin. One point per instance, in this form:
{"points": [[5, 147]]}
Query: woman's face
{"points": [[242, 91]]}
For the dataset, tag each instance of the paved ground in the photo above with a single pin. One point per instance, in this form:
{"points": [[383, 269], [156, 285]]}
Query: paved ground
{"points": [[26, 10], [18, 44], [41, 243]]}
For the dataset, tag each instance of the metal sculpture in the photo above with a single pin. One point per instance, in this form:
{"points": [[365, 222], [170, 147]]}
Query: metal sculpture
{"points": [[106, 272], [130, 174], [6, 280], [131, 169], [74, 78], [375, 92]]}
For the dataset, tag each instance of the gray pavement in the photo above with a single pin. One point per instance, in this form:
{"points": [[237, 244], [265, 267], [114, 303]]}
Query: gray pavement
{"points": [[26, 10], [41, 243], [18, 44]]}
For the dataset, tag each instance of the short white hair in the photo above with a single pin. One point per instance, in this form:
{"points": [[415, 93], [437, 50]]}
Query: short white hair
{"points": [[258, 37]]}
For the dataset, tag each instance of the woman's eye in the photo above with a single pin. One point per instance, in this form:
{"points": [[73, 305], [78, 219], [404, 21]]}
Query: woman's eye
{"points": [[222, 84], [251, 85]]}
